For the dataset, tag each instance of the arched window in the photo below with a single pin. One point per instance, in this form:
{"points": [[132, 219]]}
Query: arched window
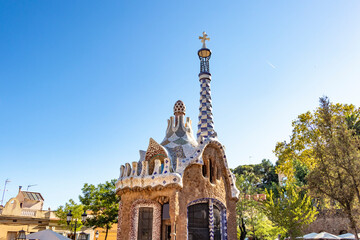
{"points": [[198, 221], [206, 220], [160, 157], [211, 170], [204, 168]]}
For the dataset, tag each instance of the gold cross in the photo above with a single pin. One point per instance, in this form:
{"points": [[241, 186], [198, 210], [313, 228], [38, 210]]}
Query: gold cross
{"points": [[204, 38]]}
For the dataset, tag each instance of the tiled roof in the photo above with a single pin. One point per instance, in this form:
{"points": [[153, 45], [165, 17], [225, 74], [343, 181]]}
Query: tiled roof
{"points": [[32, 196]]}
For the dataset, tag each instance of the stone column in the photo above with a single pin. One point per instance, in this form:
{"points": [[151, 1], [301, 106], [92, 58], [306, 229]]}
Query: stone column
{"points": [[174, 213], [119, 222]]}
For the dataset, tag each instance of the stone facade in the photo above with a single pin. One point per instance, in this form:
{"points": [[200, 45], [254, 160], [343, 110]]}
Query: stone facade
{"points": [[181, 188]]}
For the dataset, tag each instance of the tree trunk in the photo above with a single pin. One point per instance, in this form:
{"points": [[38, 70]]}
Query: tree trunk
{"points": [[254, 232], [107, 229], [352, 221], [242, 229]]}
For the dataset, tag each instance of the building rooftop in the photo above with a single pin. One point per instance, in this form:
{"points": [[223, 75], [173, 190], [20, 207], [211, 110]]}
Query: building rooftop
{"points": [[32, 196]]}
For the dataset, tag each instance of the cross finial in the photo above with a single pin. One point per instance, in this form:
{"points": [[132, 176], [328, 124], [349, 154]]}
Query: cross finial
{"points": [[204, 38]]}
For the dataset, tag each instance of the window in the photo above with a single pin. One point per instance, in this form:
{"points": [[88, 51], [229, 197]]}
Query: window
{"points": [[205, 167], [204, 170], [209, 169], [211, 172], [217, 223], [11, 235], [165, 211], [145, 220], [145, 223], [205, 220], [198, 221]]}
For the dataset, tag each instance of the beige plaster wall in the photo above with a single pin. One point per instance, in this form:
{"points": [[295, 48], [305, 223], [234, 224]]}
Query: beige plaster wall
{"points": [[30, 228], [12, 207]]}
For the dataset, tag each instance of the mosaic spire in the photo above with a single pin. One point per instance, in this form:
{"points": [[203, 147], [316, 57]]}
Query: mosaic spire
{"points": [[206, 124]]}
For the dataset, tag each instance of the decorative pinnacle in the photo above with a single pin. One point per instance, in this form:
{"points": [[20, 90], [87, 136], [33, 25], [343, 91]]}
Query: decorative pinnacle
{"points": [[179, 108], [204, 38]]}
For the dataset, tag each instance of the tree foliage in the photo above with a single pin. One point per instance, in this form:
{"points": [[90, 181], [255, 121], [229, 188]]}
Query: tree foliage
{"points": [[259, 176], [103, 203], [299, 151], [250, 217], [337, 156], [325, 144], [76, 210], [291, 212]]}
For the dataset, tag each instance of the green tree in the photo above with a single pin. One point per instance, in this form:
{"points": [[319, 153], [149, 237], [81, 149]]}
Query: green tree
{"points": [[76, 210], [103, 203], [263, 228], [337, 156], [291, 211], [245, 184], [260, 175], [299, 151], [250, 218], [353, 122], [326, 142]]}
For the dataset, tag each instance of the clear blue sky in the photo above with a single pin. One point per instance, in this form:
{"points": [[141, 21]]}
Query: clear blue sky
{"points": [[85, 84]]}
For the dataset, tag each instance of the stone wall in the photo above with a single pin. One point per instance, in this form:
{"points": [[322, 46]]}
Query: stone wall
{"points": [[128, 197], [196, 186], [331, 221]]}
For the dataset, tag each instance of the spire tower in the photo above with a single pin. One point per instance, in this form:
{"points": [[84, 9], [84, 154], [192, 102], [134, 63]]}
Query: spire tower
{"points": [[206, 124]]}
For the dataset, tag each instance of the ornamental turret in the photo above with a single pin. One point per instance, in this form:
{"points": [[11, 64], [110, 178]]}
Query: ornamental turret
{"points": [[206, 123]]}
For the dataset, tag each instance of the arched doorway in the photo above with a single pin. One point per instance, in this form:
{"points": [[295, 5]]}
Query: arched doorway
{"points": [[206, 220]]}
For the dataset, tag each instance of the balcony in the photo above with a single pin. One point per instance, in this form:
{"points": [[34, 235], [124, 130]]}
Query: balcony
{"points": [[28, 213]]}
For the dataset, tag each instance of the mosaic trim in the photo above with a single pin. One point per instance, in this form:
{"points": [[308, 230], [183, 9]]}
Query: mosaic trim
{"points": [[206, 123], [119, 235], [138, 174], [221, 206], [156, 230], [211, 219], [179, 140], [161, 176]]}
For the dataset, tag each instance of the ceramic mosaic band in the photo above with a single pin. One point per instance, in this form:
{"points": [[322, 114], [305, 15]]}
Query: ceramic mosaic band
{"points": [[206, 124], [211, 219]]}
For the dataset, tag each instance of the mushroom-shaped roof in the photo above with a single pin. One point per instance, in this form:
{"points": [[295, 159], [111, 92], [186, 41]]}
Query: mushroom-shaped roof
{"points": [[179, 108]]}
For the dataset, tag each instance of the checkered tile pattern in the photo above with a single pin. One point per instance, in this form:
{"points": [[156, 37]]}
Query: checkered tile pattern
{"points": [[206, 124]]}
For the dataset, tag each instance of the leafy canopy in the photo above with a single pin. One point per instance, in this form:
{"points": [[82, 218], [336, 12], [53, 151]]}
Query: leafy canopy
{"points": [[76, 210], [251, 220], [291, 212], [298, 153], [103, 203]]}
